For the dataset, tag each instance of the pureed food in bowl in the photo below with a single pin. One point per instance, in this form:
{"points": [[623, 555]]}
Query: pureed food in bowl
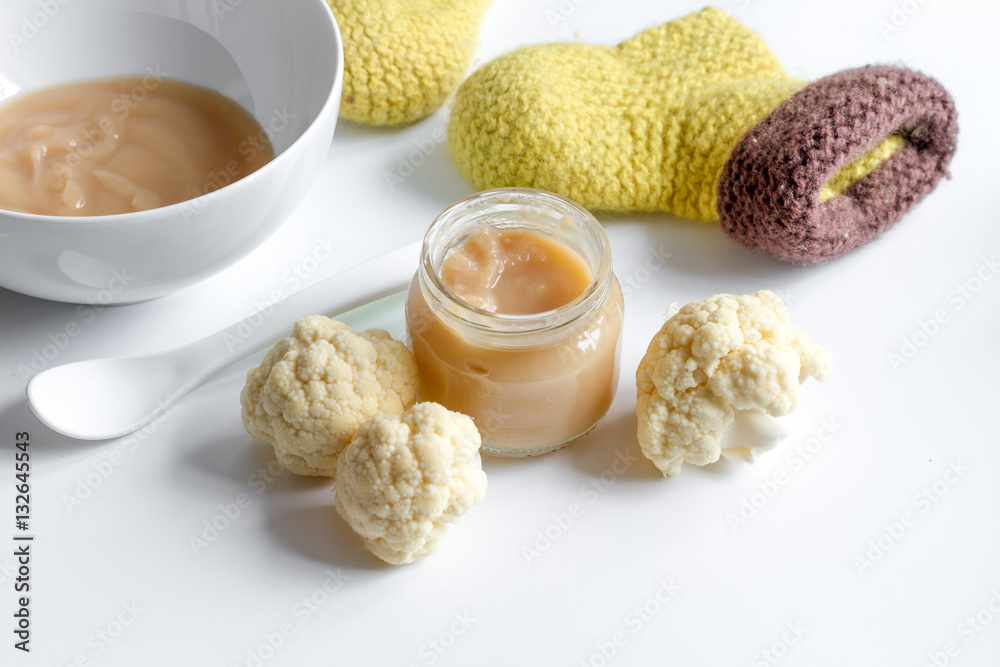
{"points": [[280, 61], [121, 145]]}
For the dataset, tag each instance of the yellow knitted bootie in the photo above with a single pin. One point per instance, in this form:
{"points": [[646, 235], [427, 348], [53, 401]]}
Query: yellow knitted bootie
{"points": [[403, 58], [697, 117]]}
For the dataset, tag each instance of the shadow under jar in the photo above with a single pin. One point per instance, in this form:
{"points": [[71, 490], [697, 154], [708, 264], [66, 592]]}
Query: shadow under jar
{"points": [[532, 381]]}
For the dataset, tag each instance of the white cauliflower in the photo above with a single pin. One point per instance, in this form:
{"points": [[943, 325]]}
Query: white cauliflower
{"points": [[404, 478], [314, 389], [711, 358]]}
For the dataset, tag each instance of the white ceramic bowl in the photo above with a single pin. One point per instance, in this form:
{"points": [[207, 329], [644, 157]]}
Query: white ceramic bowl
{"points": [[281, 60]]}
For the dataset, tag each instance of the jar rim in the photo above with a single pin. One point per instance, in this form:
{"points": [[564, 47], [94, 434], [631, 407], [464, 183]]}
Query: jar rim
{"points": [[477, 209]]}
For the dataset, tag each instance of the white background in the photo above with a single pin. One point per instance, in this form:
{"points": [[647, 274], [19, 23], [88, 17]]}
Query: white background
{"points": [[808, 555]]}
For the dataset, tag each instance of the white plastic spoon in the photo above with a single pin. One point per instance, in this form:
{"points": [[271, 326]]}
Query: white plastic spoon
{"points": [[107, 398]]}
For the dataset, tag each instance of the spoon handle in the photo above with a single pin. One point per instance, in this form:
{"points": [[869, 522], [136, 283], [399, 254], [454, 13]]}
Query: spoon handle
{"points": [[336, 294], [99, 399]]}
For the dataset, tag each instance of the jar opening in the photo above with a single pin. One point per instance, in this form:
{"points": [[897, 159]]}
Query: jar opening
{"points": [[509, 208]]}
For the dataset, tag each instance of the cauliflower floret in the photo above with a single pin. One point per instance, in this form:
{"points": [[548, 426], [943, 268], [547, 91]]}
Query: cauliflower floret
{"points": [[315, 388], [711, 358], [404, 478]]}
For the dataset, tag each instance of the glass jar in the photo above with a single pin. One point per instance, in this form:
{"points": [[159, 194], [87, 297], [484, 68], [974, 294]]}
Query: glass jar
{"points": [[532, 382]]}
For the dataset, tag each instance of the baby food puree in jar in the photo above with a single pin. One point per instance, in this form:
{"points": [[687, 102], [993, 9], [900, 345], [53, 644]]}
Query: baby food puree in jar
{"points": [[514, 318], [121, 145], [513, 271]]}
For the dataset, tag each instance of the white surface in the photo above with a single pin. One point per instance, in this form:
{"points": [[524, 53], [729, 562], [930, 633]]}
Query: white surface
{"points": [[290, 80], [867, 446]]}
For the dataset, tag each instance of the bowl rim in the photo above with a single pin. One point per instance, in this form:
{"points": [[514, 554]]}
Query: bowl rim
{"points": [[135, 217]]}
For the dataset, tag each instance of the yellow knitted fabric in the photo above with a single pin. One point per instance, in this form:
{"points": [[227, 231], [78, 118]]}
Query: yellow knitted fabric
{"points": [[854, 171], [403, 58], [642, 126]]}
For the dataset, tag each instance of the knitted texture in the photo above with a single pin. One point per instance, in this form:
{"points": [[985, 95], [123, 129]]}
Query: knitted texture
{"points": [[647, 125], [768, 193], [403, 58], [861, 167]]}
